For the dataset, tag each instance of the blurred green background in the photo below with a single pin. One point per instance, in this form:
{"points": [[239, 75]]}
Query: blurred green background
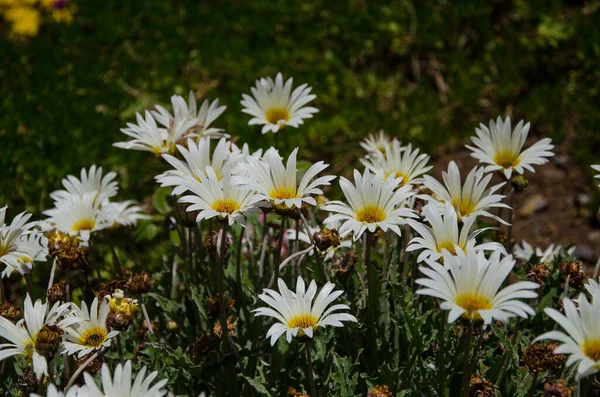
{"points": [[425, 71]]}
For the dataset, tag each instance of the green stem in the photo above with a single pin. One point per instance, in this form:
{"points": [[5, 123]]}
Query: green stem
{"points": [[533, 384], [2, 292], [238, 267], [372, 278], [120, 348], [279, 246], [466, 372], [441, 365], [511, 220], [311, 376], [320, 271]]}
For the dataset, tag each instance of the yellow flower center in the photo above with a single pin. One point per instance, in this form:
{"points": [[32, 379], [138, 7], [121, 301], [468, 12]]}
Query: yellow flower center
{"points": [[303, 321], [472, 303], [275, 115], [463, 207], [284, 193], [507, 159], [447, 245], [370, 214], [591, 349], [404, 178], [93, 337], [228, 206], [84, 224], [24, 259]]}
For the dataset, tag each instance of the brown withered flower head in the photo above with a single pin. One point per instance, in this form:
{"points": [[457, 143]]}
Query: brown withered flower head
{"points": [[213, 305], [66, 251], [140, 283], [557, 390], [380, 391], [345, 263], [48, 340], [295, 393], [211, 244], [480, 387], [574, 271], [109, 287], [27, 383], [10, 312], [540, 357], [230, 326], [326, 238], [58, 292], [203, 345], [539, 274], [57, 240], [93, 367]]}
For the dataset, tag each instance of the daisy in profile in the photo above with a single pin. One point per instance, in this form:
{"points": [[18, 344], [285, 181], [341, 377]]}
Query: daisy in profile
{"points": [[205, 116], [580, 339], [219, 197], [525, 251], [196, 157], [90, 181], [122, 383], [90, 332], [502, 148], [180, 122], [80, 215], [33, 247], [443, 235], [23, 338], [469, 287], [13, 251], [297, 314], [373, 203], [278, 184], [125, 213], [472, 198], [54, 392], [404, 163], [147, 136], [274, 106], [596, 168], [375, 143]]}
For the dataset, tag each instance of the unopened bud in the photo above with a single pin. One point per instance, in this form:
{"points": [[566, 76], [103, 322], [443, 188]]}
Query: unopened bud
{"points": [[519, 183]]}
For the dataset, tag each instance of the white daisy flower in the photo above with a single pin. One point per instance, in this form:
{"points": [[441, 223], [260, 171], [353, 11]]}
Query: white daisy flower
{"points": [[297, 314], [581, 337], [205, 116], [90, 333], [147, 136], [278, 184], [443, 235], [122, 383], [274, 107], [403, 162], [469, 286], [596, 168], [525, 251], [14, 252], [54, 392], [90, 181], [219, 197], [196, 157], [33, 247], [502, 148], [471, 199], [125, 213], [373, 202], [80, 215], [375, 143], [180, 122], [21, 336]]}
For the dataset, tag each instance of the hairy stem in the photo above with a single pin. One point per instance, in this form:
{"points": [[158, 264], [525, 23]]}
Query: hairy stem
{"points": [[311, 375]]}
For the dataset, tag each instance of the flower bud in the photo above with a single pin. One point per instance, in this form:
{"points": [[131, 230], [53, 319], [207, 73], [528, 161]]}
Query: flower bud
{"points": [[326, 238], [519, 183], [140, 283], [48, 340], [10, 312], [57, 292]]}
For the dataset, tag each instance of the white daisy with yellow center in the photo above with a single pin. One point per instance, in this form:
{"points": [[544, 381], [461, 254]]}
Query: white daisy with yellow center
{"points": [[204, 116], [443, 235], [22, 336], [373, 202], [473, 198], [502, 148], [180, 123], [469, 287], [401, 161], [90, 333], [147, 136], [196, 157], [219, 197], [581, 336], [14, 252], [80, 215], [278, 184], [90, 181], [125, 213], [123, 383], [297, 314], [375, 143], [275, 106]]}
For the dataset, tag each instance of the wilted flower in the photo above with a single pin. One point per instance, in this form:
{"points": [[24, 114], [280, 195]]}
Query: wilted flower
{"points": [[346, 263], [140, 283], [10, 312], [380, 391], [539, 273], [203, 345], [295, 393], [540, 357], [480, 387], [557, 390], [574, 272], [27, 383], [213, 306], [231, 325]]}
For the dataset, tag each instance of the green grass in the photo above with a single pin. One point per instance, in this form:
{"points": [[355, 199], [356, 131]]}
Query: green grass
{"points": [[65, 93]]}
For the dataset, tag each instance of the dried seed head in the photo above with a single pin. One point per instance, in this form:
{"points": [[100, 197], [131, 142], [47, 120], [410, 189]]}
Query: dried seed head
{"points": [[539, 273], [230, 326], [109, 287], [10, 312], [574, 271], [140, 283], [211, 244], [71, 257], [58, 240], [480, 387], [213, 306], [380, 391], [557, 390], [540, 357], [326, 238], [93, 367], [345, 263], [203, 345], [519, 183], [295, 393], [48, 340], [57, 293], [27, 383]]}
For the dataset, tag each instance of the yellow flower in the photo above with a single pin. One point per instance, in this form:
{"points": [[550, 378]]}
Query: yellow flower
{"points": [[25, 20]]}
